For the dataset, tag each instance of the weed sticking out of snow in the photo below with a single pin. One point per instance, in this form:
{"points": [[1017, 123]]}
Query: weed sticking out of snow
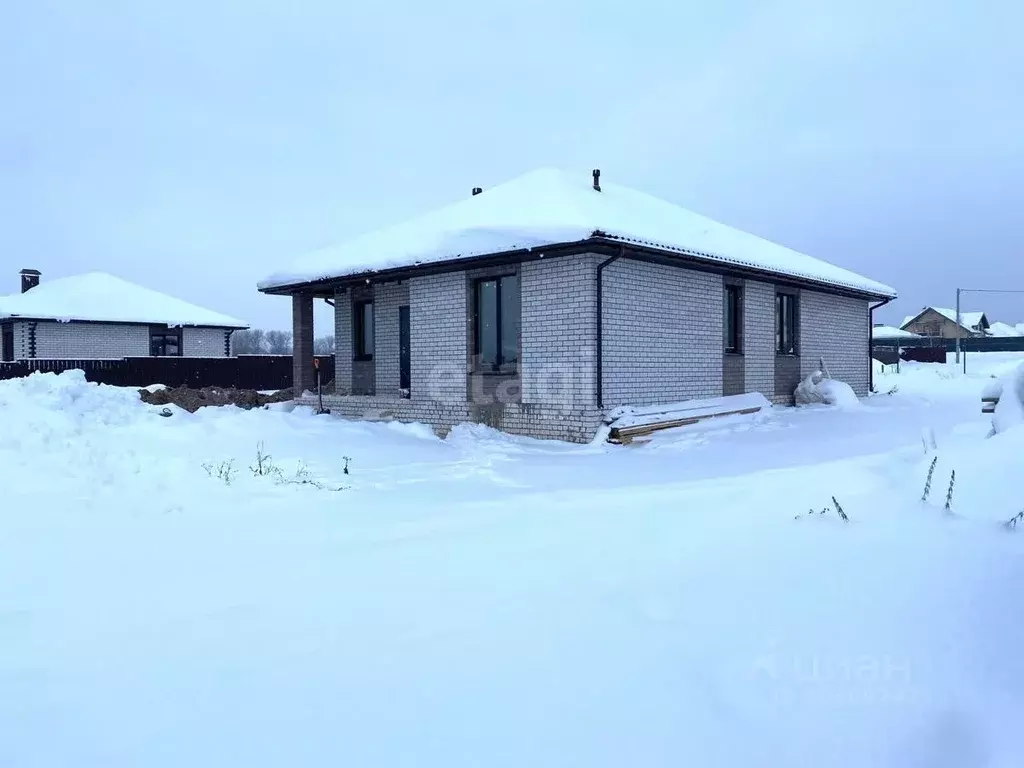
{"points": [[928, 480], [949, 493], [224, 471]]}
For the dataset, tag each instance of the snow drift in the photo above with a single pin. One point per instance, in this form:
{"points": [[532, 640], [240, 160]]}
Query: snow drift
{"points": [[1010, 408], [819, 389], [493, 600]]}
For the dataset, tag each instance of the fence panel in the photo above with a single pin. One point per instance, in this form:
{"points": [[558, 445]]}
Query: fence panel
{"points": [[261, 372]]}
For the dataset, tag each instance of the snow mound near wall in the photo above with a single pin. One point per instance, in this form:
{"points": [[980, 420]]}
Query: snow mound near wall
{"points": [[1010, 409], [816, 389]]}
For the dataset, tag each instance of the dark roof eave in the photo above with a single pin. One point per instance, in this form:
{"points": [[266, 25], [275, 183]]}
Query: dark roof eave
{"points": [[598, 243]]}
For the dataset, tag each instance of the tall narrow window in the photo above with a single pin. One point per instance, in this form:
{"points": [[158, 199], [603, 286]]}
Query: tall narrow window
{"points": [[733, 318], [496, 316], [362, 328], [7, 342], [785, 323]]}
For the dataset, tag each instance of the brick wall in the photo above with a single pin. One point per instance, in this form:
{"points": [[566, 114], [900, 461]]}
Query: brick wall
{"points": [[437, 320], [342, 343], [533, 420], [387, 298], [759, 337], [662, 334], [559, 331], [22, 334], [835, 328], [202, 342], [92, 340]]}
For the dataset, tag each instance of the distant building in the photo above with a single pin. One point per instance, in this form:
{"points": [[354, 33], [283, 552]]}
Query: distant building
{"points": [[942, 323], [881, 331], [99, 316], [1005, 330]]}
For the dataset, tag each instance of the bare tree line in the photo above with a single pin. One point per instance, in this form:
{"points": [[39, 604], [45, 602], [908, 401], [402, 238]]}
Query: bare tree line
{"points": [[257, 341]]}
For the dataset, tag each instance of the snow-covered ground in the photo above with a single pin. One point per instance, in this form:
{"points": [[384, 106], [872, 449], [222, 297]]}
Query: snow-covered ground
{"points": [[493, 601]]}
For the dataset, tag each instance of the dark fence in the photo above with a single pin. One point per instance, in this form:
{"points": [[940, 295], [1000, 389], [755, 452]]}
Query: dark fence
{"points": [[978, 344], [242, 372]]}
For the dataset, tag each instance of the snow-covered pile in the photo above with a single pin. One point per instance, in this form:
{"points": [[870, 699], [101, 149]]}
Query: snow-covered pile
{"points": [[1010, 409], [816, 389], [492, 600]]}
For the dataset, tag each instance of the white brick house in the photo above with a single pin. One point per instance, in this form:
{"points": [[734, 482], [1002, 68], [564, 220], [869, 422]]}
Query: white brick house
{"points": [[539, 305], [96, 316]]}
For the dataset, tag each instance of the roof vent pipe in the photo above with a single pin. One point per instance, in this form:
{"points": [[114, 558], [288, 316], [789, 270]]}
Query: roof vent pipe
{"points": [[597, 179], [477, 191]]}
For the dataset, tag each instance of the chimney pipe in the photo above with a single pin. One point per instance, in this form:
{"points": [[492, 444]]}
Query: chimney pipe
{"points": [[29, 279], [597, 179], [477, 191]]}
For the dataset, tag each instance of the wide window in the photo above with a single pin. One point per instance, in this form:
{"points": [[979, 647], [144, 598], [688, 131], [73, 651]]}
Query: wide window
{"points": [[496, 316], [363, 329], [164, 341], [785, 323], [733, 318]]}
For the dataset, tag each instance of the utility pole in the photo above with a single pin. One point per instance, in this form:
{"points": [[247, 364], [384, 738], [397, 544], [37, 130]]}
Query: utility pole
{"points": [[958, 326]]}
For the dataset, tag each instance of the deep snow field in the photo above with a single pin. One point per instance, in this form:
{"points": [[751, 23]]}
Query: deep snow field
{"points": [[486, 600]]}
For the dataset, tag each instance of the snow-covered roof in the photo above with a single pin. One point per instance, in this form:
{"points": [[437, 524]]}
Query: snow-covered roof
{"points": [[547, 207], [969, 320], [101, 297], [888, 332], [1004, 329]]}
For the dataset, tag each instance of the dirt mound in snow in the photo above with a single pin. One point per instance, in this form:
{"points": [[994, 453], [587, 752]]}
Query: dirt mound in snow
{"points": [[194, 399]]}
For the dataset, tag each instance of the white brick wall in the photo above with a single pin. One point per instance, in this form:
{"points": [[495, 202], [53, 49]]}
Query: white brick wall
{"points": [[759, 337], [662, 334], [387, 298], [437, 320], [342, 342], [559, 331], [91, 340], [202, 342], [835, 328]]}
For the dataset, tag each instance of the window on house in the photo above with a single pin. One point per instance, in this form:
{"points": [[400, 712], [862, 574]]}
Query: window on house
{"points": [[7, 342], [496, 318], [785, 323], [362, 327], [164, 341], [733, 318]]}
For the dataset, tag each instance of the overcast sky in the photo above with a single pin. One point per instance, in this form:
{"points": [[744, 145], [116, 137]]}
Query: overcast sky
{"points": [[195, 146]]}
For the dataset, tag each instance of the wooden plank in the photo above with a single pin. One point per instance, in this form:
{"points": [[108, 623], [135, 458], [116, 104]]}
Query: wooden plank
{"points": [[625, 435]]}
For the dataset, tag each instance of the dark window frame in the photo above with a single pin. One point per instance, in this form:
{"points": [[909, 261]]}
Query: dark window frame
{"points": [[158, 339], [7, 342], [500, 365], [733, 342], [359, 352], [787, 307]]}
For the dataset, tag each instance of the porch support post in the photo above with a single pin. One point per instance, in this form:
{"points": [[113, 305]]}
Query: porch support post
{"points": [[302, 341]]}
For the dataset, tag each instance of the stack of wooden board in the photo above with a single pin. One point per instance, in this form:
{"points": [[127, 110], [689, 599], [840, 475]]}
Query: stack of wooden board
{"points": [[631, 424]]}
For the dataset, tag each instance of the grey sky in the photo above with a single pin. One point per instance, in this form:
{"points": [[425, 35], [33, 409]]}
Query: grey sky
{"points": [[196, 146]]}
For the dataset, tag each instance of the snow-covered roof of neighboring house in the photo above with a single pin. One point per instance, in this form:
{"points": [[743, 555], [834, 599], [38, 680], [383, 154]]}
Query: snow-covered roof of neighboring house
{"points": [[548, 207], [101, 297], [888, 332], [969, 320], [1003, 329]]}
